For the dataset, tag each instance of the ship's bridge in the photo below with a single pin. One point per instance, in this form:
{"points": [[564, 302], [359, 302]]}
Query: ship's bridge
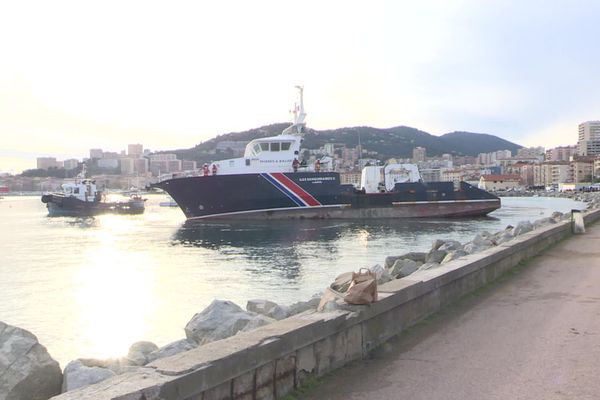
{"points": [[273, 147], [271, 154]]}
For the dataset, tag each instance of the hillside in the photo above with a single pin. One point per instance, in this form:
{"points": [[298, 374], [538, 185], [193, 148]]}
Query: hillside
{"points": [[390, 142], [474, 143]]}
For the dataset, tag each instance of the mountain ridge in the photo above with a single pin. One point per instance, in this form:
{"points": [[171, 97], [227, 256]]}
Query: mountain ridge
{"points": [[393, 142]]}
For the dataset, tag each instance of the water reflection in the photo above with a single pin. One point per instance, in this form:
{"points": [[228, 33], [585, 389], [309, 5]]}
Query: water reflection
{"points": [[282, 234]]}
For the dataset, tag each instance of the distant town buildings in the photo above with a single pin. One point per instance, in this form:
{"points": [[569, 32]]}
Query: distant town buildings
{"points": [[532, 152], [497, 170], [237, 148], [491, 158]]}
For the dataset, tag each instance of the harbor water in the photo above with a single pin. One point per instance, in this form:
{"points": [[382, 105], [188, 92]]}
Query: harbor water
{"points": [[90, 287]]}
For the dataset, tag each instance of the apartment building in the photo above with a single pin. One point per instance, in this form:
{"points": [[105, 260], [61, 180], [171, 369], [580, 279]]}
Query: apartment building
{"points": [[589, 138]]}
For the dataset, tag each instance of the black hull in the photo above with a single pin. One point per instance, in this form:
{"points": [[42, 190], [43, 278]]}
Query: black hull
{"points": [[319, 196], [65, 206]]}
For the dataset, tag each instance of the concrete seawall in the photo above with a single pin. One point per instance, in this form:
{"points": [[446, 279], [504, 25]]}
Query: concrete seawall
{"points": [[271, 361]]}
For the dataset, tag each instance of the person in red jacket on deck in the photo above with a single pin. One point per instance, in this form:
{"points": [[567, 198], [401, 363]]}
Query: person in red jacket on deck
{"points": [[205, 170], [295, 164], [318, 166], [214, 169]]}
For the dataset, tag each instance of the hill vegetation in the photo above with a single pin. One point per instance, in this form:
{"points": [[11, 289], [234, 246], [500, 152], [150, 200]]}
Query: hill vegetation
{"points": [[388, 143]]}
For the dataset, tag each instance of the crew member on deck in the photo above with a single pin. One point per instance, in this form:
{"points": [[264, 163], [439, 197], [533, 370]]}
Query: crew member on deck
{"points": [[205, 169], [214, 169], [318, 166], [295, 164]]}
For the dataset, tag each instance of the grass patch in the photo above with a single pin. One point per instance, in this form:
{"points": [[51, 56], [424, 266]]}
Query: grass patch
{"points": [[309, 384]]}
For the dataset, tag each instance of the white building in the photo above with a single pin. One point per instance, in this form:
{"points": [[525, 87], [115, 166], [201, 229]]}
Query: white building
{"points": [[499, 182], [589, 138]]}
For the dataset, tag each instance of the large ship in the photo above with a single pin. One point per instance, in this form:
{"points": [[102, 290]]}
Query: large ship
{"points": [[270, 182]]}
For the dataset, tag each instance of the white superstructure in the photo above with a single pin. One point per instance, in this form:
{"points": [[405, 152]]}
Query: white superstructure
{"points": [[376, 179], [271, 154], [84, 190]]}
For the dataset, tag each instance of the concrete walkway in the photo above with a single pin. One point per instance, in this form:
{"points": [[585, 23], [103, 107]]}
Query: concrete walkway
{"points": [[533, 335]]}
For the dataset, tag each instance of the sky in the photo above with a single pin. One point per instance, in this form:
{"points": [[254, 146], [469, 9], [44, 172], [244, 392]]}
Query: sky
{"points": [[77, 75]]}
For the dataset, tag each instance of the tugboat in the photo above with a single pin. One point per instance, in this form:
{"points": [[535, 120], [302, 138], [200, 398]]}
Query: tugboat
{"points": [[82, 199], [270, 182]]}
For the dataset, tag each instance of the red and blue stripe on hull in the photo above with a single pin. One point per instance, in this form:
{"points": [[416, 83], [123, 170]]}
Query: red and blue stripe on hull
{"points": [[291, 189]]}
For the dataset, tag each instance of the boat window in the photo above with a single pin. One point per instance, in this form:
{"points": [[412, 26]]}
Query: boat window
{"points": [[76, 190], [275, 146], [285, 146], [256, 148], [264, 146]]}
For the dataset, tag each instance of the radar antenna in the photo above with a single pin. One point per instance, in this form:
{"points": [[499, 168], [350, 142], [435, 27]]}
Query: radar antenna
{"points": [[297, 127]]}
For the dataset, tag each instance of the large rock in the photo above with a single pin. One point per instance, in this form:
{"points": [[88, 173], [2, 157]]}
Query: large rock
{"points": [[267, 308], [453, 255], [138, 352], [435, 256], [402, 268], [303, 306], [504, 237], [451, 245], [472, 248], [437, 243], [543, 222], [27, 372], [171, 349], [221, 319], [381, 274], [483, 239], [257, 322], [522, 227], [116, 365], [77, 375], [427, 266], [413, 255]]}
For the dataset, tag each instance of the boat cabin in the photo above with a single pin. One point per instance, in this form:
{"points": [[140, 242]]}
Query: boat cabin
{"points": [[84, 190]]}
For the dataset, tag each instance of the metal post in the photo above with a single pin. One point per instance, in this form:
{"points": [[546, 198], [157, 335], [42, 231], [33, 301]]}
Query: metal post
{"points": [[577, 222]]}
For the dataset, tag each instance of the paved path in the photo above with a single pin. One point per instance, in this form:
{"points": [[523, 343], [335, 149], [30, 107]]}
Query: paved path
{"points": [[533, 335]]}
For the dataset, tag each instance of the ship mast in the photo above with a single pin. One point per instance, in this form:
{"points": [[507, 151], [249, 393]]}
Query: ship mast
{"points": [[297, 127]]}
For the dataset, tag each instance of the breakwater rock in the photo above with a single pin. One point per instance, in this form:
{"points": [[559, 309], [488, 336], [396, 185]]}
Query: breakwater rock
{"points": [[443, 251], [27, 371]]}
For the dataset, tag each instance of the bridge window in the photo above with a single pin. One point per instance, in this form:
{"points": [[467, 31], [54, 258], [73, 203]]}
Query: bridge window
{"points": [[275, 146], [256, 148], [264, 146], [285, 146]]}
